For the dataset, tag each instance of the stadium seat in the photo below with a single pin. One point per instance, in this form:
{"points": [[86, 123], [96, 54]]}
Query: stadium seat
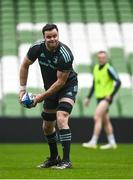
{"points": [[108, 11], [57, 11], [8, 28], [64, 33], [40, 11], [10, 74], [25, 37], [35, 112], [125, 11], [96, 38], [127, 29], [74, 11], [114, 110], [12, 108], [113, 35], [126, 102], [86, 111], [126, 80], [118, 59], [77, 111], [85, 80], [130, 63], [79, 42], [83, 68], [90, 10]]}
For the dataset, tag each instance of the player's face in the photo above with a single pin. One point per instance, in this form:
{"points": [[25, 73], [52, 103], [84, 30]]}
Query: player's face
{"points": [[102, 58], [51, 38]]}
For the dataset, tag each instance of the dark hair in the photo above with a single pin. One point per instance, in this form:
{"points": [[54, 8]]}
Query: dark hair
{"points": [[49, 27], [99, 52]]}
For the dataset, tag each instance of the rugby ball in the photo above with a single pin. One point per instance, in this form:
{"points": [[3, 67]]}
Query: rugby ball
{"points": [[27, 100]]}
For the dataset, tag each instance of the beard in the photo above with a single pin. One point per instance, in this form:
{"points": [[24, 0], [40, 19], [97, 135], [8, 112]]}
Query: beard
{"points": [[52, 45]]}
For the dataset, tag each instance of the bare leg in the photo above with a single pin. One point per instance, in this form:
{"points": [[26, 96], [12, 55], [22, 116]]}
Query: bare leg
{"points": [[98, 121], [107, 124], [109, 130], [98, 117]]}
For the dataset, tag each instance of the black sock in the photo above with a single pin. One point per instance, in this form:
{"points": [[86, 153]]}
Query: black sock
{"points": [[52, 142], [65, 138]]}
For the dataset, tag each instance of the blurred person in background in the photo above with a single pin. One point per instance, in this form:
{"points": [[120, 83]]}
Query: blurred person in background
{"points": [[60, 83], [104, 76]]}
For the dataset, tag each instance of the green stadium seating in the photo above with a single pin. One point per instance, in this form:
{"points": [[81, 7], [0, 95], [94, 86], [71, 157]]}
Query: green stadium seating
{"points": [[24, 11], [83, 68], [25, 37], [74, 11], [90, 110], [86, 111], [91, 11], [108, 11], [125, 11], [34, 112], [57, 11], [9, 48], [7, 3], [37, 35], [76, 112], [118, 59], [1, 108], [8, 28], [126, 102], [11, 105], [130, 63], [114, 110], [40, 11]]}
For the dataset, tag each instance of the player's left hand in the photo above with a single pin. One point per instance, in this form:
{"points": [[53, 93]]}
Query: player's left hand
{"points": [[39, 98]]}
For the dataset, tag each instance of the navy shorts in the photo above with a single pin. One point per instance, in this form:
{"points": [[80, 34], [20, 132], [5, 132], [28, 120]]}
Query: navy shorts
{"points": [[69, 91], [100, 99]]}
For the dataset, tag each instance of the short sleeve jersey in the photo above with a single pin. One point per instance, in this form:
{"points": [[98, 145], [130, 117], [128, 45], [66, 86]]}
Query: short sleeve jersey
{"points": [[51, 62]]}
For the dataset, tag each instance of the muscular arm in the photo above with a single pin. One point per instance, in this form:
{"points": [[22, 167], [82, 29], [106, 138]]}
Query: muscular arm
{"points": [[61, 80], [24, 71]]}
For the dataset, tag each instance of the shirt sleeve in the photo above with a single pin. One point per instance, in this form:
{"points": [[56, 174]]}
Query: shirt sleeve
{"points": [[33, 53], [65, 60], [113, 74], [91, 91]]}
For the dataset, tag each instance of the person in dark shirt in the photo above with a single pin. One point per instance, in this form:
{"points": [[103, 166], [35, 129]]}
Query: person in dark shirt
{"points": [[60, 84], [104, 76]]}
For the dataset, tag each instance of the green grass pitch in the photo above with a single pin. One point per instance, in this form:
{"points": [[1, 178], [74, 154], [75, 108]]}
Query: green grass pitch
{"points": [[19, 161]]}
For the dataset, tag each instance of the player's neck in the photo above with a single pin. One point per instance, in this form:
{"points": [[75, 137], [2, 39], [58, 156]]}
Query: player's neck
{"points": [[52, 49]]}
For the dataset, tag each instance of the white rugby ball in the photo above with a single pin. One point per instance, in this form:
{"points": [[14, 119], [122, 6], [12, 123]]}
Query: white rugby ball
{"points": [[27, 100]]}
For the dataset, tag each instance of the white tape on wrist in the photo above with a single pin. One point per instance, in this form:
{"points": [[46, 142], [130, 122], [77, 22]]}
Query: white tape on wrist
{"points": [[22, 88]]}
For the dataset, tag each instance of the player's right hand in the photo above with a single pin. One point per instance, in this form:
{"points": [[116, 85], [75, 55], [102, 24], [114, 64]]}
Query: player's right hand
{"points": [[21, 93], [86, 102]]}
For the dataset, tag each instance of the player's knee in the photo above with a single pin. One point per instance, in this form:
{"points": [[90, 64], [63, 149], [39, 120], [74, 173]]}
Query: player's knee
{"points": [[48, 127], [63, 111], [97, 116], [62, 119], [65, 106], [48, 123]]}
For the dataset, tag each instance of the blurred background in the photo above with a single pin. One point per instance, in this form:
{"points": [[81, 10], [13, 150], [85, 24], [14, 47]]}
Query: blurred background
{"points": [[86, 26]]}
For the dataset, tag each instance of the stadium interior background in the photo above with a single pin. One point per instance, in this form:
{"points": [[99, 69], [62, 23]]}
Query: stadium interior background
{"points": [[86, 26]]}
